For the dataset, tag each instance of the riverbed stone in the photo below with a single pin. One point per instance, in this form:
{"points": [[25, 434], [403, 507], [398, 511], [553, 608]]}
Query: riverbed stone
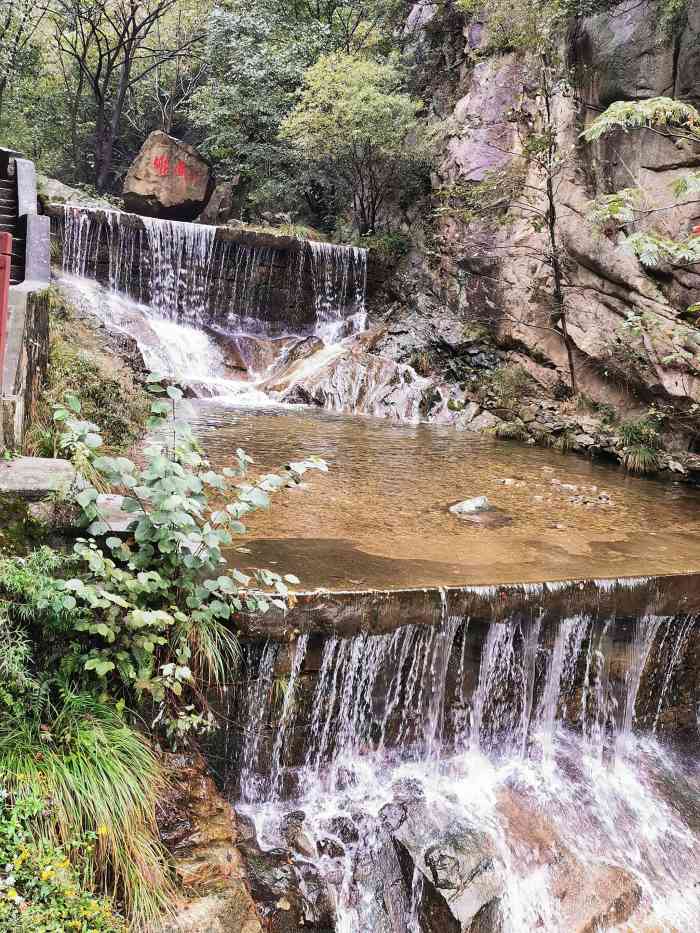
{"points": [[456, 858], [470, 506], [168, 179]]}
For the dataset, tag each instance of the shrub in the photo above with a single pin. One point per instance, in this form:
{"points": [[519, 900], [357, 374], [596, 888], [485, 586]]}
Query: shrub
{"points": [[640, 432], [355, 124], [102, 781], [508, 386], [511, 431], [149, 620]]}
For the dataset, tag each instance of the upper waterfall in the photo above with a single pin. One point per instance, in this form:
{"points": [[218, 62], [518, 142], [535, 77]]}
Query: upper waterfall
{"points": [[225, 278]]}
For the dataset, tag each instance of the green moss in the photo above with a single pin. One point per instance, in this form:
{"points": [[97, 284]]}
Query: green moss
{"points": [[19, 532]]}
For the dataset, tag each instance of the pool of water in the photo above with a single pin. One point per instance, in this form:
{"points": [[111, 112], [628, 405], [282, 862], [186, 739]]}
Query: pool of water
{"points": [[380, 518]]}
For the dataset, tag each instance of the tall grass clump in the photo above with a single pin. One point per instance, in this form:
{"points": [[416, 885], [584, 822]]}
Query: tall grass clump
{"points": [[641, 442], [100, 778]]}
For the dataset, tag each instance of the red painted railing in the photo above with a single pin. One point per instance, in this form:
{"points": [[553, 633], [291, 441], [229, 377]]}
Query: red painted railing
{"points": [[5, 260]]}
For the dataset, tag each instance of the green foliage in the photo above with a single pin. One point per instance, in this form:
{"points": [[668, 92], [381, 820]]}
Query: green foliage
{"points": [[641, 459], [489, 198], [103, 781], [388, 248], [150, 618], [657, 112], [511, 430], [354, 122], [641, 432], [507, 386], [42, 885]]}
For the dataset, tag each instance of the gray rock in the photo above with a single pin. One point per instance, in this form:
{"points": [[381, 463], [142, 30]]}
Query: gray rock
{"points": [[584, 440], [220, 207], [470, 411], [483, 422], [35, 478], [470, 506], [457, 859]]}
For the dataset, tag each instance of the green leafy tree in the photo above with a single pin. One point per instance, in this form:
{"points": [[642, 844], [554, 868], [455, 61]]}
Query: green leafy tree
{"points": [[356, 125], [19, 22]]}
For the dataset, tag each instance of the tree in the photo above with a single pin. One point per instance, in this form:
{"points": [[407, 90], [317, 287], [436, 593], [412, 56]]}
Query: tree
{"points": [[257, 57], [111, 44], [354, 124], [18, 25]]}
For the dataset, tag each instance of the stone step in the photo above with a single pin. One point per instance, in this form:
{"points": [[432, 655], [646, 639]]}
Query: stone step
{"points": [[34, 478]]}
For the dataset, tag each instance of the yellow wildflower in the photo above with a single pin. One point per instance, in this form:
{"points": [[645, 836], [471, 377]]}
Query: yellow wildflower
{"points": [[47, 873], [12, 894], [102, 830]]}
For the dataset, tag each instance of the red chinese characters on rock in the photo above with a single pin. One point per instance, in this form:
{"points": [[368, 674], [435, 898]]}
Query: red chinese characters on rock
{"points": [[161, 163]]}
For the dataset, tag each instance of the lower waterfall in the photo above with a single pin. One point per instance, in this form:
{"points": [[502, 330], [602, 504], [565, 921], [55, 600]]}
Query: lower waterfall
{"points": [[508, 776]]}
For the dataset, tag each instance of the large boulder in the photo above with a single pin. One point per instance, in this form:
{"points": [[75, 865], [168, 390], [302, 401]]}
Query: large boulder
{"points": [[168, 179]]}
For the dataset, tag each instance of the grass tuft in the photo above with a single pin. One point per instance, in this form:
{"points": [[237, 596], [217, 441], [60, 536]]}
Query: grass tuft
{"points": [[641, 459], [100, 777]]}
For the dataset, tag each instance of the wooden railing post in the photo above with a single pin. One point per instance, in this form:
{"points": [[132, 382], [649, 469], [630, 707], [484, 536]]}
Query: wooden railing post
{"points": [[5, 260]]}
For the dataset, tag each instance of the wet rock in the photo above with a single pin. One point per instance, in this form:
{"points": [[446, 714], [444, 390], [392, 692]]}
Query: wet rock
{"points": [[215, 913], [292, 829], [467, 415], [456, 859], [330, 847], [168, 179], [591, 895], [303, 349], [428, 905], [584, 440], [199, 828], [488, 919], [480, 512], [342, 827]]}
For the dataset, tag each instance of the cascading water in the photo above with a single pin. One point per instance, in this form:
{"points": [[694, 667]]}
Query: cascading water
{"points": [[491, 777], [197, 303], [185, 273]]}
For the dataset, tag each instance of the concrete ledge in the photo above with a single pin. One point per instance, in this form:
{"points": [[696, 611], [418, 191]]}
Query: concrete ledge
{"points": [[35, 478], [26, 361]]}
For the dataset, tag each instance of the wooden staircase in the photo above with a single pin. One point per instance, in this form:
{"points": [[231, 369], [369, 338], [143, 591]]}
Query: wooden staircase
{"points": [[9, 223]]}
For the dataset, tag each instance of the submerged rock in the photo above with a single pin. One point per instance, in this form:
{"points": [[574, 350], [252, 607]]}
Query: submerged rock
{"points": [[469, 506]]}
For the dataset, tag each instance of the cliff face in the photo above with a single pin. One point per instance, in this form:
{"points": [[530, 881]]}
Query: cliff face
{"points": [[490, 266]]}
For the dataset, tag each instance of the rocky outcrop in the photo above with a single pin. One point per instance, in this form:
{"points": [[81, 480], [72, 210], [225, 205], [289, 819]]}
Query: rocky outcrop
{"points": [[491, 268], [201, 831], [168, 179]]}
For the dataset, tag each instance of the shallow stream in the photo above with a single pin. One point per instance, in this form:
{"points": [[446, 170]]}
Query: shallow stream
{"points": [[529, 767]]}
